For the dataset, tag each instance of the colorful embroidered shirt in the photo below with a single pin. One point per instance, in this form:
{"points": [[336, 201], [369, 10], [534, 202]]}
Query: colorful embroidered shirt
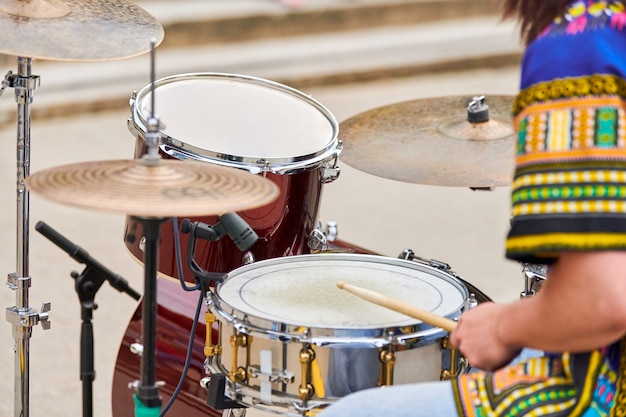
{"points": [[569, 190], [568, 194]]}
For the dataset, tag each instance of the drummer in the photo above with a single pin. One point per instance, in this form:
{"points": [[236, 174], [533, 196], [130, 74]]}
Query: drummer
{"points": [[569, 212]]}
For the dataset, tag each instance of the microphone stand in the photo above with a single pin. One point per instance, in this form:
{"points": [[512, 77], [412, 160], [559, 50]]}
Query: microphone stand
{"points": [[87, 285]]}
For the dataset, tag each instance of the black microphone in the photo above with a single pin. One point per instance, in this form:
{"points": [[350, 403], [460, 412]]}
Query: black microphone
{"points": [[81, 256], [230, 224]]}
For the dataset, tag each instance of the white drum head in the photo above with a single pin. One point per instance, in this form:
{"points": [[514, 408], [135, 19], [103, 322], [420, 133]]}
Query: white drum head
{"points": [[301, 291], [237, 118]]}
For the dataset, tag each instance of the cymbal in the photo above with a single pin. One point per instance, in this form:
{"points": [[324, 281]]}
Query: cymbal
{"points": [[430, 141], [76, 30], [170, 188]]}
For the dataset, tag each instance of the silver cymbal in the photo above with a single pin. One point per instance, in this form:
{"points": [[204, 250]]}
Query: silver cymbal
{"points": [[76, 30]]}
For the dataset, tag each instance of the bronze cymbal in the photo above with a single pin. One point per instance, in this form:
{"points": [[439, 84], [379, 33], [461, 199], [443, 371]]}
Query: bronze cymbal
{"points": [[430, 141], [76, 30], [170, 188]]}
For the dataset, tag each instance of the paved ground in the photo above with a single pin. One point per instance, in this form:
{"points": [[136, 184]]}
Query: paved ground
{"points": [[461, 227]]}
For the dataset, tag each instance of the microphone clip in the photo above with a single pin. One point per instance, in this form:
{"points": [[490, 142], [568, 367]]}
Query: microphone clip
{"points": [[204, 231]]}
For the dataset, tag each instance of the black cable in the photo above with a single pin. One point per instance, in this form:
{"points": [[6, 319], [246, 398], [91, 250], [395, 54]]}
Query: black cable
{"points": [[194, 326], [179, 261]]}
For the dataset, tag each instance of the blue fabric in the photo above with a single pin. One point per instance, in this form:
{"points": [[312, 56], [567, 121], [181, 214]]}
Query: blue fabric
{"points": [[599, 36], [432, 399]]}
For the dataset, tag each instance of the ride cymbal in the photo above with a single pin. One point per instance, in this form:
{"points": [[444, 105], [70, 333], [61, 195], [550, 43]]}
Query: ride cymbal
{"points": [[433, 142], [76, 30], [171, 188]]}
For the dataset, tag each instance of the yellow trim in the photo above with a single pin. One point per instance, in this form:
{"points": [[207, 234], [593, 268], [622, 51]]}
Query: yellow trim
{"points": [[572, 240], [569, 178], [572, 154], [588, 388], [576, 207]]}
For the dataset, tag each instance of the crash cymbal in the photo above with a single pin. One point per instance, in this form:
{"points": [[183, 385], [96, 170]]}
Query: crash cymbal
{"points": [[430, 141], [76, 30], [171, 188]]}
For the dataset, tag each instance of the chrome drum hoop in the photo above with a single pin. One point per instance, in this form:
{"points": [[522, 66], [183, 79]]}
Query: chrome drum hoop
{"points": [[177, 147]]}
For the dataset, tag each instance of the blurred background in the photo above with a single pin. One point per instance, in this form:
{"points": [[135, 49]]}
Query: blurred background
{"points": [[350, 55]]}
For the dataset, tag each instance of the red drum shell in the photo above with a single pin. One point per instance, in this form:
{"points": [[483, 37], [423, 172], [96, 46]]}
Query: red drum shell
{"points": [[246, 123], [283, 228]]}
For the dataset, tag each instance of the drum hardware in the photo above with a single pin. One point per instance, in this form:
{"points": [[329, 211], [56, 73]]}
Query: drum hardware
{"points": [[320, 237], [475, 295], [458, 364], [534, 277], [211, 349], [239, 373], [280, 377], [318, 242], [462, 143], [87, 285], [306, 390], [387, 361]]}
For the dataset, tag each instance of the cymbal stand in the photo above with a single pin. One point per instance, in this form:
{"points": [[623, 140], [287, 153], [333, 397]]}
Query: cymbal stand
{"points": [[21, 316], [147, 399]]}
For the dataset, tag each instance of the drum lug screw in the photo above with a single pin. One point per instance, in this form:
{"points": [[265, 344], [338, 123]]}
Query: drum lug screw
{"points": [[388, 362], [238, 373], [209, 348], [453, 372], [305, 392]]}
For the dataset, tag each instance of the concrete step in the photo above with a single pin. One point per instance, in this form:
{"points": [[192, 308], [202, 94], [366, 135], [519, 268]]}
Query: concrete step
{"points": [[68, 88], [201, 22]]}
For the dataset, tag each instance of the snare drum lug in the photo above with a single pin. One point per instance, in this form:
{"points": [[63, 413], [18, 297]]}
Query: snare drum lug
{"points": [[209, 348], [387, 364], [305, 392], [454, 370], [239, 373]]}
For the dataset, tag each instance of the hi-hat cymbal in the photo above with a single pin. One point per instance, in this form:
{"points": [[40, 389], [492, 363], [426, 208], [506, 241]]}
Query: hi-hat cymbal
{"points": [[431, 141], [169, 189], [76, 30]]}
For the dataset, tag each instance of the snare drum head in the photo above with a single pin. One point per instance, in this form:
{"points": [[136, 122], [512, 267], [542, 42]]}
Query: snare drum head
{"points": [[301, 291], [237, 118]]}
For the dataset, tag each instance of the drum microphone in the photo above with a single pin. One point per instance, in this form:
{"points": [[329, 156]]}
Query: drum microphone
{"points": [[81, 256], [230, 224]]}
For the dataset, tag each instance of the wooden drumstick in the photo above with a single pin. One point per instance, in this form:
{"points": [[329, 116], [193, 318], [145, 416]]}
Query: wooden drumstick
{"points": [[400, 307]]}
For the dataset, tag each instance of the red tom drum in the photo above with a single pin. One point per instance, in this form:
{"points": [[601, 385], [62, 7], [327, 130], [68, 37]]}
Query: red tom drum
{"points": [[246, 123]]}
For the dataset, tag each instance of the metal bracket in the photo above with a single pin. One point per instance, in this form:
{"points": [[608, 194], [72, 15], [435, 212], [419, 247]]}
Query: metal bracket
{"points": [[283, 377], [30, 317]]}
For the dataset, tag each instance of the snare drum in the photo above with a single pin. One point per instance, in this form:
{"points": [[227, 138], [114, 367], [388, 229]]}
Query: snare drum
{"points": [[291, 340], [248, 123]]}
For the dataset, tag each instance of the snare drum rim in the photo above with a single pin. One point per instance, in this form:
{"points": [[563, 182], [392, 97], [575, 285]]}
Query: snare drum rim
{"points": [[319, 335], [177, 148]]}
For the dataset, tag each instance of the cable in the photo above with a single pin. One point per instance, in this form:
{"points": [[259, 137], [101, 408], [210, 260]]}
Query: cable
{"points": [[179, 262], [194, 327]]}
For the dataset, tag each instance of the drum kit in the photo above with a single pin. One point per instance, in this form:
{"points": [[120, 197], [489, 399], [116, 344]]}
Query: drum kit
{"points": [[247, 157]]}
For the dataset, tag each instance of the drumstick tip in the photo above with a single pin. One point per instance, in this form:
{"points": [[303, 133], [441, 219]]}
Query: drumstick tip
{"points": [[340, 285]]}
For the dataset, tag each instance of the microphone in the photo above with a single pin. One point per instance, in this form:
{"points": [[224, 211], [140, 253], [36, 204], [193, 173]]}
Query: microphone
{"points": [[81, 256], [230, 224]]}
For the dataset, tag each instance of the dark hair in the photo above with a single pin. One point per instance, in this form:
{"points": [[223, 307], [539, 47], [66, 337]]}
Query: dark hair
{"points": [[534, 15]]}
